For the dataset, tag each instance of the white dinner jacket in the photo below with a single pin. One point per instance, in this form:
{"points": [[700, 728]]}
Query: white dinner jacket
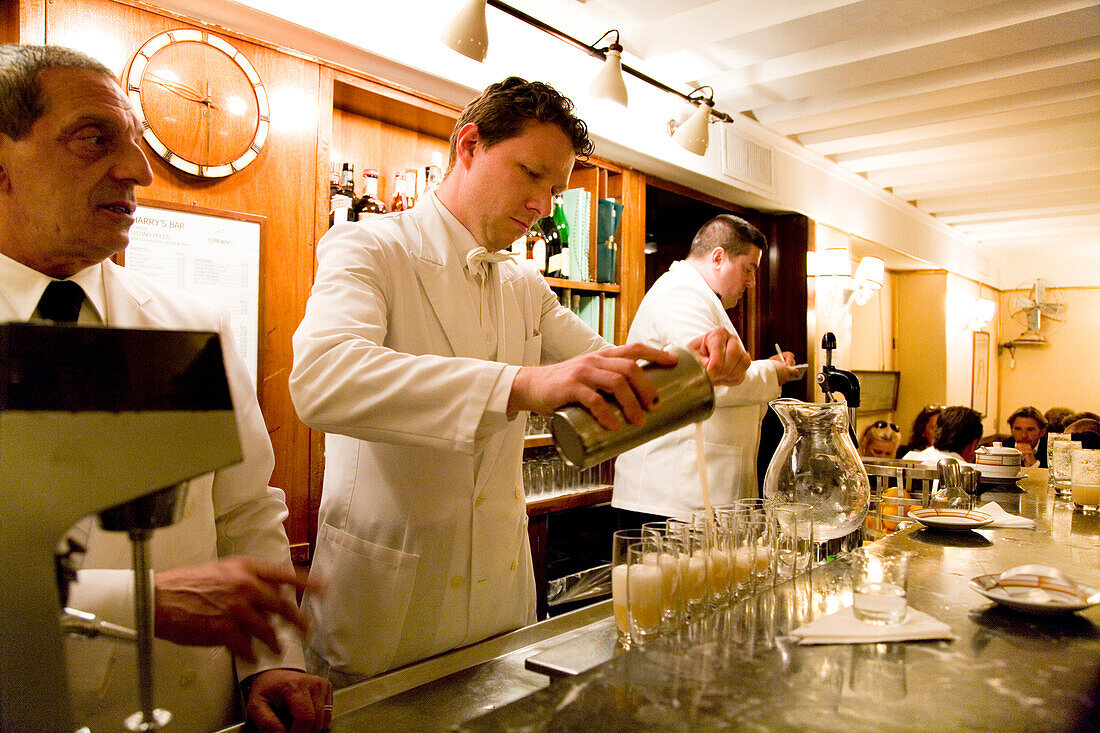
{"points": [[421, 538], [231, 511], [662, 477]]}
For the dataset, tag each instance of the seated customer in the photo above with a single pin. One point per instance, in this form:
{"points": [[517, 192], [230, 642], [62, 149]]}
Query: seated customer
{"points": [[880, 440], [1086, 431], [1057, 419], [957, 435], [923, 432], [1029, 432]]}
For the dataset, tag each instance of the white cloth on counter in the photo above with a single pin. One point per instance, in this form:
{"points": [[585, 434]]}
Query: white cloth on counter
{"points": [[843, 627], [1003, 519]]}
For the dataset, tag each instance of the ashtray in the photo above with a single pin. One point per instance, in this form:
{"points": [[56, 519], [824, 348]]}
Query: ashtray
{"points": [[951, 519], [1036, 589]]}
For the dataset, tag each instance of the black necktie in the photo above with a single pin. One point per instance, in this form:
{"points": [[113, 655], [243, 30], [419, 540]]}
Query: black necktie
{"points": [[61, 301]]}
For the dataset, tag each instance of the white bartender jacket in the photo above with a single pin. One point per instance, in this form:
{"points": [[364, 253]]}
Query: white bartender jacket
{"points": [[422, 536], [231, 511], [662, 476]]}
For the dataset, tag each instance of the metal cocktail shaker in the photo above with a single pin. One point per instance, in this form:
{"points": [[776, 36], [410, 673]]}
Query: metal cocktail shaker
{"points": [[686, 395]]}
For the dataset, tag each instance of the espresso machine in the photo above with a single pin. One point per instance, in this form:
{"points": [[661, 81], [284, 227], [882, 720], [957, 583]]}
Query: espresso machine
{"points": [[104, 421]]}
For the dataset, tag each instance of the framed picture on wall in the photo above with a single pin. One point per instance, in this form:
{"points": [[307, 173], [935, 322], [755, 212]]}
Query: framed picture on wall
{"points": [[979, 375], [212, 253]]}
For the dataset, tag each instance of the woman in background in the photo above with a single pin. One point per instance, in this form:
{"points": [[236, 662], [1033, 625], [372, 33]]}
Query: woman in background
{"points": [[880, 440], [924, 430]]}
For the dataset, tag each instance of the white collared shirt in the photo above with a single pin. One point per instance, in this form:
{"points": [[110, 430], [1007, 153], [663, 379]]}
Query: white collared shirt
{"points": [[483, 290], [22, 287]]}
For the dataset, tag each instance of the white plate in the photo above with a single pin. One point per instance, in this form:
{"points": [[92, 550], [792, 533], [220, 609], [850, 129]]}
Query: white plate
{"points": [[951, 519], [1035, 593]]}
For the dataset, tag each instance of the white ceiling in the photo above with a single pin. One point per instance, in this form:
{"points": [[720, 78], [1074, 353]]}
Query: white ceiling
{"points": [[984, 114]]}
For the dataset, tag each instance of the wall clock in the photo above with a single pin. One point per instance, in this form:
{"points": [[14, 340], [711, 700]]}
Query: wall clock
{"points": [[202, 104]]}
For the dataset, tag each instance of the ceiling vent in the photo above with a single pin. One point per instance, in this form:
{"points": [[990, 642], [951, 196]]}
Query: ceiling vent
{"points": [[746, 160]]}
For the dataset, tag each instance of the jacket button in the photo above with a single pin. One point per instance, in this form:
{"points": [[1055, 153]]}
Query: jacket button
{"points": [[457, 581], [515, 564], [519, 493], [479, 500]]}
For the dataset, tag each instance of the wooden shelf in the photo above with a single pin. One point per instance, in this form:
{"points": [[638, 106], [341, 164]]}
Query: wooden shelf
{"points": [[537, 441], [556, 282], [572, 500]]}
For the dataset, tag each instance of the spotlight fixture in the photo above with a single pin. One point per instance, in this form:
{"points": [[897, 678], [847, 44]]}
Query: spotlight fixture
{"points": [[609, 84], [467, 33], [694, 134]]}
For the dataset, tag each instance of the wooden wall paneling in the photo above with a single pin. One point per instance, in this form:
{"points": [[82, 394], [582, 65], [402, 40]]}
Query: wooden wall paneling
{"points": [[23, 21], [320, 226], [9, 21], [631, 275], [280, 185]]}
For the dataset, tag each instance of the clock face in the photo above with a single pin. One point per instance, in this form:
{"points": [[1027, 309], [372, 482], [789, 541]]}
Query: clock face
{"points": [[204, 108]]}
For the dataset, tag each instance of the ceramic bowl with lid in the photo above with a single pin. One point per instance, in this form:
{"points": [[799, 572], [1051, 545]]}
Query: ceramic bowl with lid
{"points": [[998, 461]]}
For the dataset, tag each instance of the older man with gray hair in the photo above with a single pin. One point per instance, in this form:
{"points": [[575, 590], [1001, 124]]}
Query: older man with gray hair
{"points": [[70, 162]]}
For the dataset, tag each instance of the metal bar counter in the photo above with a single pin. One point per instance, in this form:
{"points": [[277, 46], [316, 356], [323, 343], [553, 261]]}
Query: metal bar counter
{"points": [[740, 671]]}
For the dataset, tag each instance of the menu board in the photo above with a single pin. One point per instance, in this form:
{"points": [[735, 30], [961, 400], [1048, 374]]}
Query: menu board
{"points": [[212, 254]]}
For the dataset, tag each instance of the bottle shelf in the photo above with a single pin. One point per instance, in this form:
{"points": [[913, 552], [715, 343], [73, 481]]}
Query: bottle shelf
{"points": [[537, 441], [557, 282]]}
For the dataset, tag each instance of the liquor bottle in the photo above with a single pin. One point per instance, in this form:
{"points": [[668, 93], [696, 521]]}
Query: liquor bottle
{"points": [[563, 233], [347, 180], [552, 239], [400, 195], [339, 200], [433, 172], [536, 247], [369, 203]]}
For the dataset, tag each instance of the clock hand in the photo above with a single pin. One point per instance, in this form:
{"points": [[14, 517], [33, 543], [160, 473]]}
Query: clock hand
{"points": [[181, 89]]}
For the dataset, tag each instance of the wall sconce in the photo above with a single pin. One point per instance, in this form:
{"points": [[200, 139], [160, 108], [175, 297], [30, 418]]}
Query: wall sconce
{"points": [[868, 278], [834, 267], [467, 34], [981, 315]]}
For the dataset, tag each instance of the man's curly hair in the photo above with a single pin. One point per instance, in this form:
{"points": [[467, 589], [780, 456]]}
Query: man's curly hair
{"points": [[501, 111]]}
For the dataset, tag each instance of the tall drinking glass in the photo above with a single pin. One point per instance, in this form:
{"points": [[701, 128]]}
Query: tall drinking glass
{"points": [[645, 599], [1059, 465], [621, 542], [794, 528], [1085, 479]]}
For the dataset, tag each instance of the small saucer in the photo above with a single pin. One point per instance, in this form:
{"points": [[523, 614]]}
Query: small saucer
{"points": [[1042, 590], [951, 519]]}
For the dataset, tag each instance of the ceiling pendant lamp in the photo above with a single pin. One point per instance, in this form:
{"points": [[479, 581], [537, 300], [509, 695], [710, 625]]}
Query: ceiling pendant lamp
{"points": [[609, 84], [694, 134], [467, 33]]}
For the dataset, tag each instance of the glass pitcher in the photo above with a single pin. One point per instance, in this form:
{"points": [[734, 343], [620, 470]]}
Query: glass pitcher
{"points": [[816, 463]]}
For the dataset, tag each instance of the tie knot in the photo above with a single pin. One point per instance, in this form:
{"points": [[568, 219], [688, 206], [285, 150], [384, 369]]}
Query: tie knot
{"points": [[61, 301], [478, 257]]}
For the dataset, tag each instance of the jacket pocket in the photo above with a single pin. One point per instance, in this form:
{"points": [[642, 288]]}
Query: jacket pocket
{"points": [[361, 616], [532, 351]]}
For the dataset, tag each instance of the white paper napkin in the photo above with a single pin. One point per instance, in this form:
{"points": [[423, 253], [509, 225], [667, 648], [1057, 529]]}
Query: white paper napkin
{"points": [[843, 627], [1003, 519]]}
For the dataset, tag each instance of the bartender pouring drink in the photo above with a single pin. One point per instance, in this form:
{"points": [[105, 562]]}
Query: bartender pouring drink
{"points": [[423, 346]]}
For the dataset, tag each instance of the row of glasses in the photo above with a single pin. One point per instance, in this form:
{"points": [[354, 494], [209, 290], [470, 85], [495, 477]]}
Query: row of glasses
{"points": [[537, 424], [548, 476], [672, 573]]}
